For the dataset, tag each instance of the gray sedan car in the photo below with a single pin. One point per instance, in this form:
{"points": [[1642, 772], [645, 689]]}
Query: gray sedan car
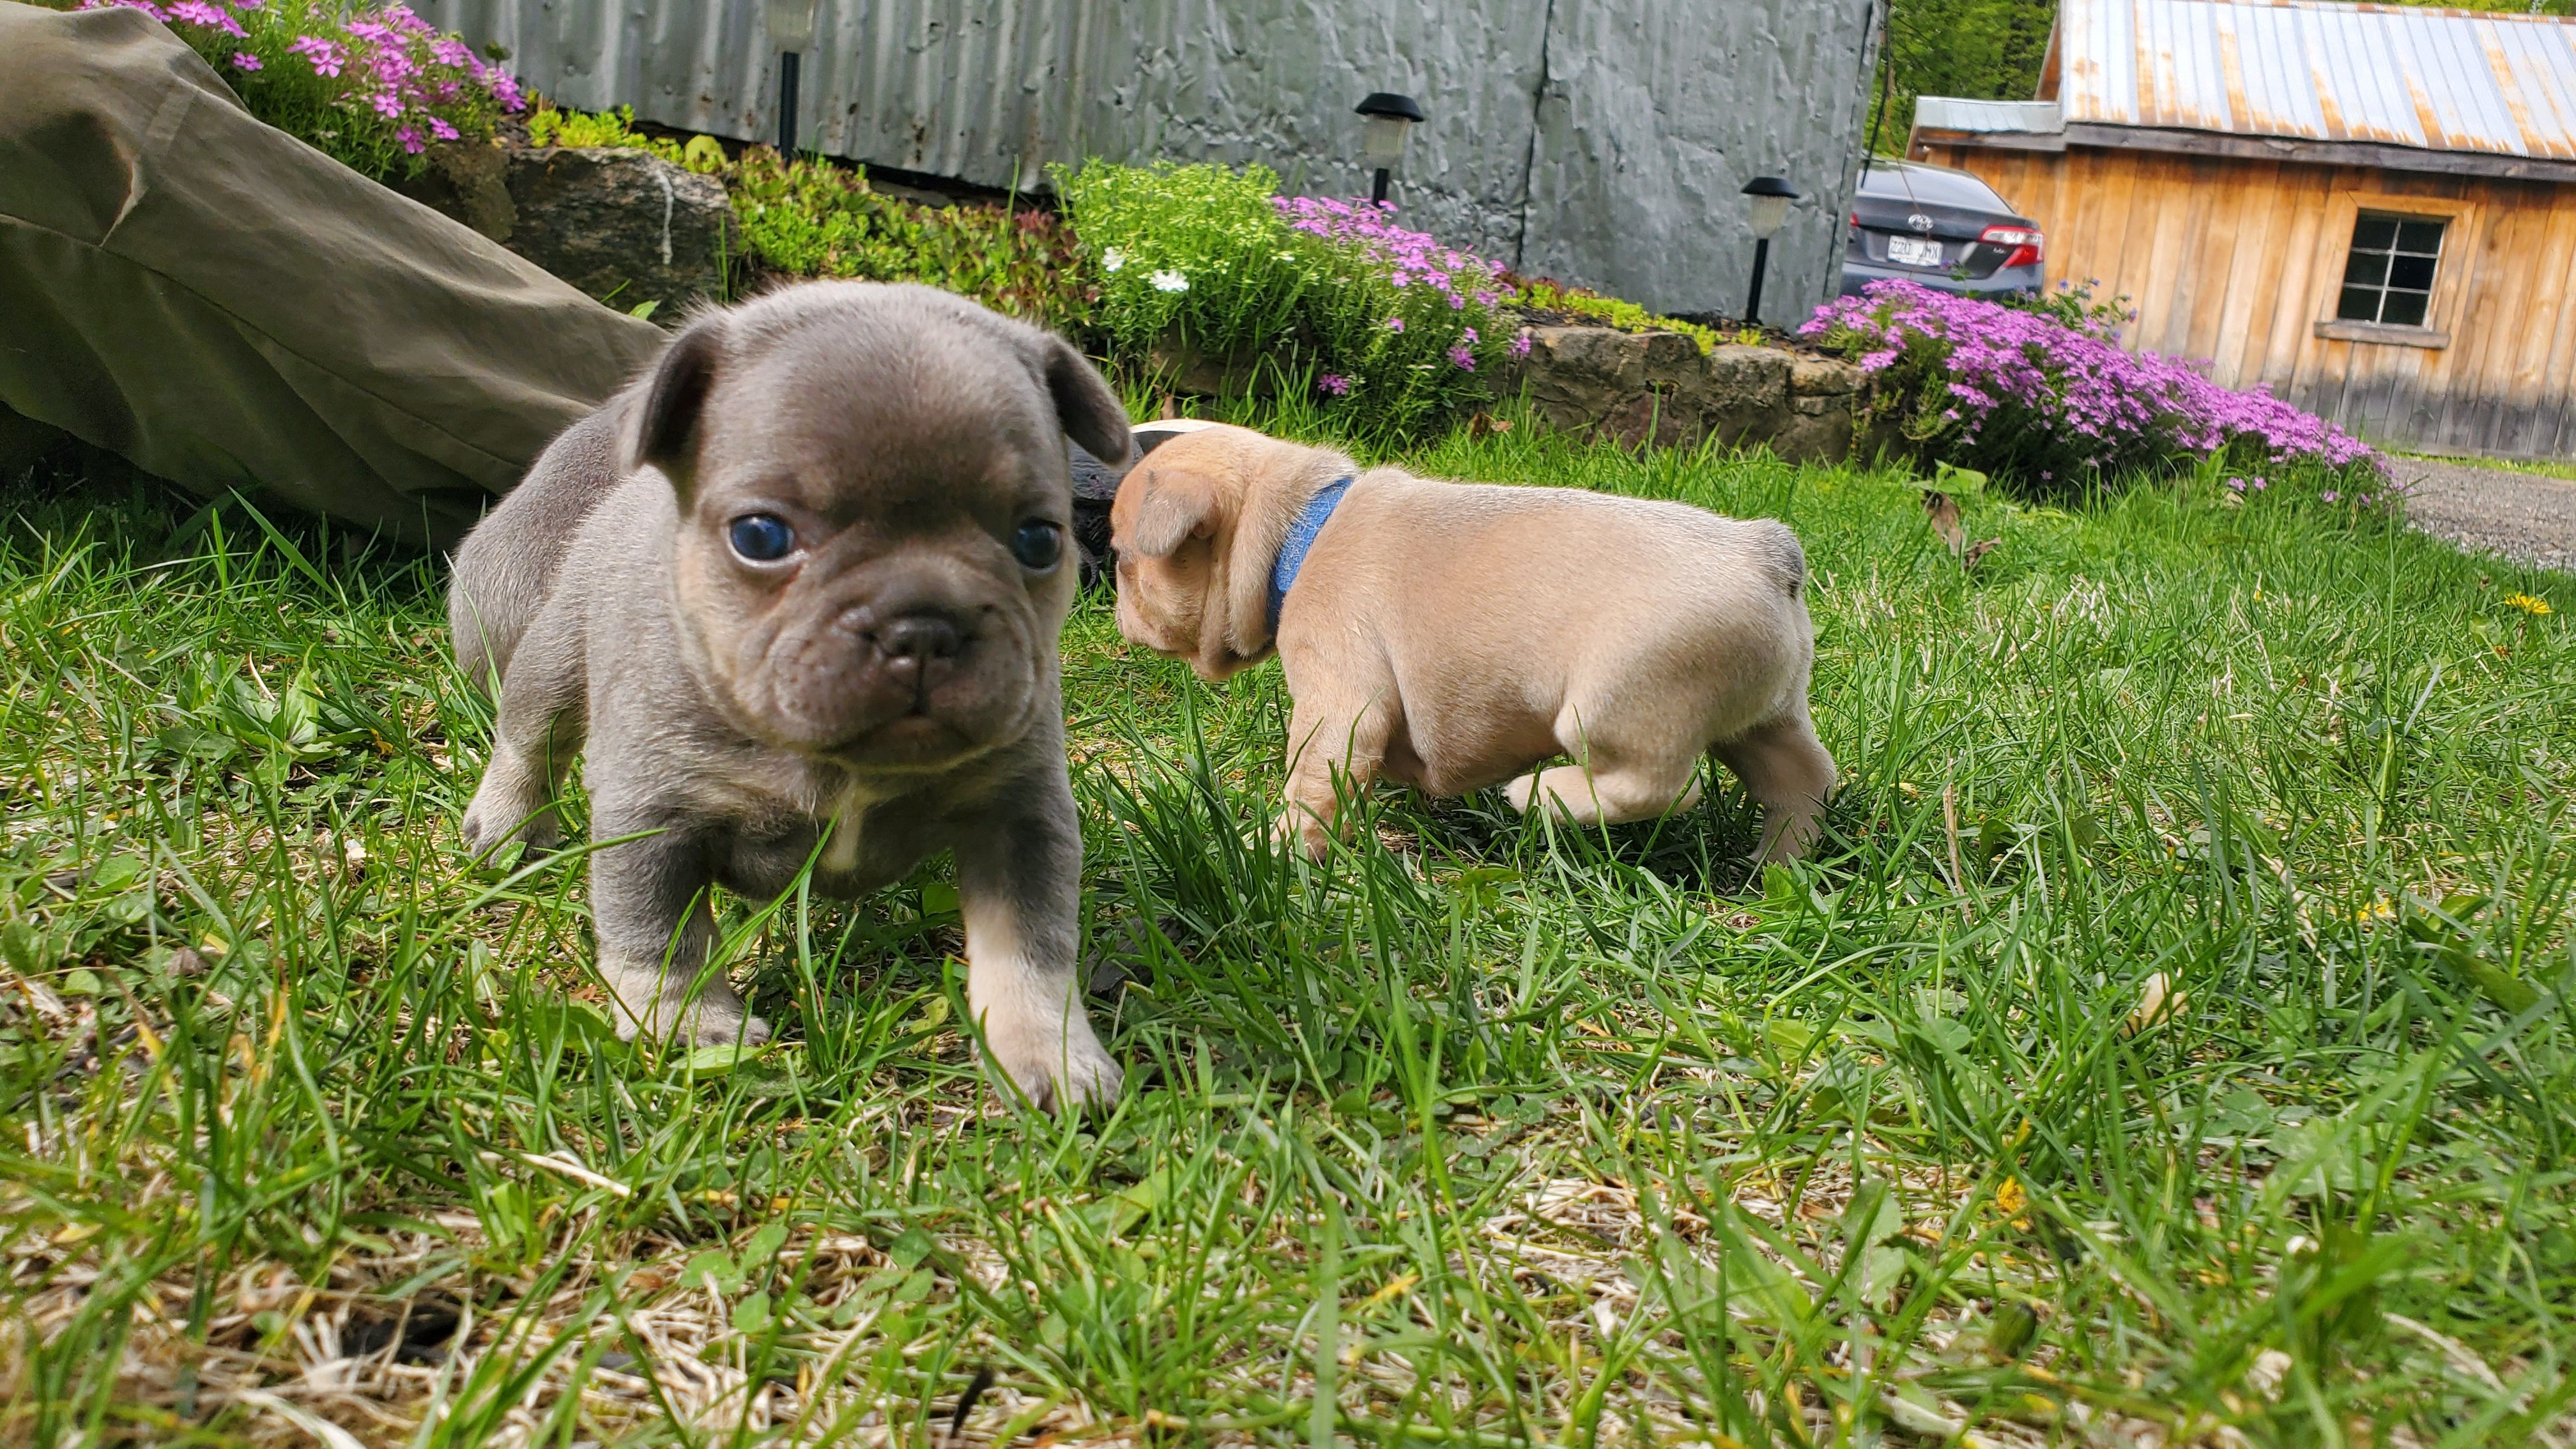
{"points": [[1942, 228]]}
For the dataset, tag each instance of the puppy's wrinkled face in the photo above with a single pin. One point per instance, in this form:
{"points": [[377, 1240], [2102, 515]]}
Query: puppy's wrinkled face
{"points": [[871, 562], [1171, 528]]}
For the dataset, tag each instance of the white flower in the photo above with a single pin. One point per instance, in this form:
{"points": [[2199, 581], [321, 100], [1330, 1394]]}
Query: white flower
{"points": [[1169, 282], [1112, 259]]}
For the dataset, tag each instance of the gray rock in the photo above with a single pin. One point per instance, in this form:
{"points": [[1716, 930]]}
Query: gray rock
{"points": [[1658, 387], [1815, 429], [1749, 380], [1673, 361], [623, 225], [1823, 377], [1576, 376]]}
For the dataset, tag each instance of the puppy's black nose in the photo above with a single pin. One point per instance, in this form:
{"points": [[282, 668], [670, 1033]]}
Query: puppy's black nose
{"points": [[919, 639]]}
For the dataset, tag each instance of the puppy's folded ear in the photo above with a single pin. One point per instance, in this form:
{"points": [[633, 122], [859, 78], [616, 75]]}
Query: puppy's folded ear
{"points": [[1085, 408], [1177, 505], [663, 432]]}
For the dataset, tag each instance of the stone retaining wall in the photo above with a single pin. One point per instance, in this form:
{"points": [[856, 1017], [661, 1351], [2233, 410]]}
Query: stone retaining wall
{"points": [[1640, 387], [1658, 387]]}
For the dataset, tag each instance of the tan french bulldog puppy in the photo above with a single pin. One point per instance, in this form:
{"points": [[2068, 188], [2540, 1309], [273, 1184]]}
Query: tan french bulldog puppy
{"points": [[806, 576], [1454, 636]]}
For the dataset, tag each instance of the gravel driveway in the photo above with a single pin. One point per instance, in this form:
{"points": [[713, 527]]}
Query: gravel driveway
{"points": [[2520, 515]]}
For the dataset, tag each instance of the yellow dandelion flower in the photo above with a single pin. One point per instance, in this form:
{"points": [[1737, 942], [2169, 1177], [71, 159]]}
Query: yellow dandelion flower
{"points": [[2528, 604], [2374, 911], [2012, 1202], [1393, 1289]]}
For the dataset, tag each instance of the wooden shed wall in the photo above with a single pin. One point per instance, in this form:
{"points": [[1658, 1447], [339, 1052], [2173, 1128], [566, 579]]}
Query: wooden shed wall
{"points": [[2236, 261]]}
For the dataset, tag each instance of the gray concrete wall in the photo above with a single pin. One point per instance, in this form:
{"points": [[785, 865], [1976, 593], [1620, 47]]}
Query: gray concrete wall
{"points": [[1600, 142]]}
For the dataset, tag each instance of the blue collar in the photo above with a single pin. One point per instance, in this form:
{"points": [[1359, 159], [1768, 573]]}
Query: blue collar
{"points": [[1301, 537]]}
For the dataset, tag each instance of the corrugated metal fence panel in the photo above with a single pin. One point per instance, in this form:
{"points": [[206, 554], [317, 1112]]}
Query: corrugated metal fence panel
{"points": [[1217, 80], [1655, 111], [2324, 70], [1655, 117], [699, 64]]}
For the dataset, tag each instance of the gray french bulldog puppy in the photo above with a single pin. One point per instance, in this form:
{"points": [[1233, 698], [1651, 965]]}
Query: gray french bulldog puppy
{"points": [[806, 576]]}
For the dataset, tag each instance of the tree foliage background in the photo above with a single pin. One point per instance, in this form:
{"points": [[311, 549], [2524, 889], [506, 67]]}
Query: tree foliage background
{"points": [[1988, 49]]}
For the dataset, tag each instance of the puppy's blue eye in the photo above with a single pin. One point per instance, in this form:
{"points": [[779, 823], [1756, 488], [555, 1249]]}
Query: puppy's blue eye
{"points": [[761, 537], [1037, 546]]}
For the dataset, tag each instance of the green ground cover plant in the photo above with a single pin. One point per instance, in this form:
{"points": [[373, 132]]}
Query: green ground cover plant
{"points": [[1627, 316], [550, 125], [812, 218], [2171, 1042]]}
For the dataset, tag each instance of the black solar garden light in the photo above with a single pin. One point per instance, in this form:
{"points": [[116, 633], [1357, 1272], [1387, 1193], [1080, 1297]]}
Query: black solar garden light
{"points": [[1771, 196], [791, 30], [1391, 118]]}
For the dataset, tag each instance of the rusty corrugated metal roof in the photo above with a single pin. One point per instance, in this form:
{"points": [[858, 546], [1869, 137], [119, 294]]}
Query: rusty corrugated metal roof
{"points": [[2444, 80]]}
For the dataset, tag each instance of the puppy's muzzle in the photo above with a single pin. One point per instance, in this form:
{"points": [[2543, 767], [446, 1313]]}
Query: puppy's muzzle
{"points": [[916, 651]]}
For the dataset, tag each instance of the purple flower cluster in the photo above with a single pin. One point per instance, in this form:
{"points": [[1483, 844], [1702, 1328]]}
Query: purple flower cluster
{"points": [[1409, 258], [198, 12], [1432, 297], [2019, 387], [394, 65]]}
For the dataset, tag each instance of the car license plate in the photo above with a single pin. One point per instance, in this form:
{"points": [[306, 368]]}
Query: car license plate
{"points": [[1906, 251]]}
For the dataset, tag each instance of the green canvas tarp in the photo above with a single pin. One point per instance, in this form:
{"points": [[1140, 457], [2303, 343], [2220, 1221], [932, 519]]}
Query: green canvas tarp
{"points": [[230, 309]]}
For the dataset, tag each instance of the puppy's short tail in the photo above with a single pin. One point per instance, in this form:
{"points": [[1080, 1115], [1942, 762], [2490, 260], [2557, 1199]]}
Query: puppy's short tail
{"points": [[1781, 556]]}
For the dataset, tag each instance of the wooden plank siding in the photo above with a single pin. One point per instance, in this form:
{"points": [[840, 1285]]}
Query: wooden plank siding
{"points": [[2234, 260]]}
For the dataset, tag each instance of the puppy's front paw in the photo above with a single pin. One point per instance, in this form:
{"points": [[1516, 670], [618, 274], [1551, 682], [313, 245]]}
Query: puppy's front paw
{"points": [[1066, 1074], [703, 1027], [1520, 791], [1089, 1076], [651, 1004], [1298, 829], [499, 813]]}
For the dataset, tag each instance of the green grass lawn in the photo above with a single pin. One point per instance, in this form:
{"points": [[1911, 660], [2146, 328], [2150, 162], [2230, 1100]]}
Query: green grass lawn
{"points": [[1478, 1134]]}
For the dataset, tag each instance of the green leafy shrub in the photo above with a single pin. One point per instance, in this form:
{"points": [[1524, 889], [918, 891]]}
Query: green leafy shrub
{"points": [[813, 219], [1390, 326], [372, 88], [2074, 305], [1195, 254]]}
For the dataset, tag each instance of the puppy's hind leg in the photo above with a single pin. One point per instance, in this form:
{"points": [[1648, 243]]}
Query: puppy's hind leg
{"points": [[1607, 790], [1784, 766], [1619, 775], [540, 727], [648, 903]]}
